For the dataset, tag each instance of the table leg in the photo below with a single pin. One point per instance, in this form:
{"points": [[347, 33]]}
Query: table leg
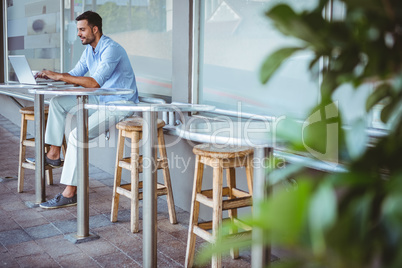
{"points": [[260, 252], [39, 114], [82, 169], [149, 190], [83, 234]]}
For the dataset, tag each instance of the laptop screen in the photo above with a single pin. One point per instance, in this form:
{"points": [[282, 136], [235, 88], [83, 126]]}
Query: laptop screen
{"points": [[22, 69], [24, 72]]}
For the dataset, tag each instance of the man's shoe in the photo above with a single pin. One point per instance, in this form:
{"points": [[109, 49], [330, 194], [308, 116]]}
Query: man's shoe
{"points": [[59, 201], [53, 163]]}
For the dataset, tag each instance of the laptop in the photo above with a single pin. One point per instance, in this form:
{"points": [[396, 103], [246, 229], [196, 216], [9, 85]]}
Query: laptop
{"points": [[24, 73]]}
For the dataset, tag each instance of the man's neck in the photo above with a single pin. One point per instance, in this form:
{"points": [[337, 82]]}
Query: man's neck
{"points": [[95, 43]]}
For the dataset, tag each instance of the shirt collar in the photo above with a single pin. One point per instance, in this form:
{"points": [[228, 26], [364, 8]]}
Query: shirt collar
{"points": [[99, 45]]}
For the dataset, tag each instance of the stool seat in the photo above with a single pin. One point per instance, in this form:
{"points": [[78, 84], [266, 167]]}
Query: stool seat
{"points": [[135, 124], [216, 151], [132, 129], [218, 198]]}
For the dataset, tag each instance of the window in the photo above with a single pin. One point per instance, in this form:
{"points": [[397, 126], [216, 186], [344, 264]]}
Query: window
{"points": [[235, 38], [142, 27], [33, 30]]}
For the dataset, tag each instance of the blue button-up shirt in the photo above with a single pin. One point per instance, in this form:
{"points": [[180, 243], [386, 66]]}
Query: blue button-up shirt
{"points": [[109, 65]]}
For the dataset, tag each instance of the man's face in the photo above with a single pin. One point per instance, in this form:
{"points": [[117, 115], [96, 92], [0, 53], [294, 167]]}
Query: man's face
{"points": [[85, 32]]}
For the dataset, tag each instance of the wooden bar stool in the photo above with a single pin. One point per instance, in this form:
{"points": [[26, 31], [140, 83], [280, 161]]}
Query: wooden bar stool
{"points": [[27, 114], [132, 129], [227, 158]]}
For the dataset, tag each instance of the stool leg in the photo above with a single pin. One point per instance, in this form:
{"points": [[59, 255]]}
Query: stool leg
{"points": [[135, 158], [166, 177], [117, 177], [231, 182], [249, 174], [49, 176], [217, 207], [21, 170], [194, 212], [64, 147], [48, 171]]}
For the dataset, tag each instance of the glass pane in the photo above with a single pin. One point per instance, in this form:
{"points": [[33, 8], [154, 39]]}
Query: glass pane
{"points": [[33, 30], [237, 38], [142, 27]]}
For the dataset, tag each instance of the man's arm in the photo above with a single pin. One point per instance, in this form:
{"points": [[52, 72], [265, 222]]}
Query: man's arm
{"points": [[69, 79]]}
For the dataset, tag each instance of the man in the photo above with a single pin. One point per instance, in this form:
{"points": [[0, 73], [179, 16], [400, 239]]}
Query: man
{"points": [[109, 67]]}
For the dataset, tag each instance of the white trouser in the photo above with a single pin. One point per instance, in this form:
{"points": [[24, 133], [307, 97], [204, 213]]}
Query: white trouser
{"points": [[61, 110]]}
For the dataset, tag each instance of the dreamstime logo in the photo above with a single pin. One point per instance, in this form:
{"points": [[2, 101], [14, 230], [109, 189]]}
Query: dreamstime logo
{"points": [[329, 115]]}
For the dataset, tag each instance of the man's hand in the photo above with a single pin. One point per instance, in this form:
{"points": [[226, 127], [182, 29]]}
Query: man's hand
{"points": [[88, 82], [48, 75]]}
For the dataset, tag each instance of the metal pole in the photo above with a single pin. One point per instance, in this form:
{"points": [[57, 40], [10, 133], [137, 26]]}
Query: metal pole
{"points": [[149, 129], [39, 114], [82, 169], [5, 42], [260, 253], [62, 36]]}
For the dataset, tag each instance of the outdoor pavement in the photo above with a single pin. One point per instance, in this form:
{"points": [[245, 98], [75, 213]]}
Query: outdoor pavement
{"points": [[35, 237]]}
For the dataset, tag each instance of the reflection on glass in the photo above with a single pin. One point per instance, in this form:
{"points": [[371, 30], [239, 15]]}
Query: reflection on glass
{"points": [[237, 38], [33, 30]]}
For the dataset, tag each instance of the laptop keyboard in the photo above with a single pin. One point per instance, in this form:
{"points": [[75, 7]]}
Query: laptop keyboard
{"points": [[43, 81]]}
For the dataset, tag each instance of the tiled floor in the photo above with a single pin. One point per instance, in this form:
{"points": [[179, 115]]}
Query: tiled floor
{"points": [[35, 237]]}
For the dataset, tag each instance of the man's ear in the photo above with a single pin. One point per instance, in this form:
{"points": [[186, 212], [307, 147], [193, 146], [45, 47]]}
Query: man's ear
{"points": [[95, 29]]}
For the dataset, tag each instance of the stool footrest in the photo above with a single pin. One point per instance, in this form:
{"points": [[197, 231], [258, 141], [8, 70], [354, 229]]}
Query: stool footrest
{"points": [[240, 236], [237, 203], [241, 224], [126, 163], [226, 192], [29, 142], [208, 193], [244, 200], [202, 229], [240, 193], [32, 166], [201, 232], [125, 190]]}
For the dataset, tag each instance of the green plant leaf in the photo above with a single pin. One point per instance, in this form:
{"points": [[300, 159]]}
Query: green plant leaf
{"points": [[290, 130], [322, 133], [388, 109], [307, 26], [274, 61], [362, 227], [378, 94], [287, 212], [356, 138], [322, 214], [283, 16], [281, 174]]}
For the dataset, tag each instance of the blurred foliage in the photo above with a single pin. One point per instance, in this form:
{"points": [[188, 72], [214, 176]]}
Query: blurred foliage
{"points": [[351, 218]]}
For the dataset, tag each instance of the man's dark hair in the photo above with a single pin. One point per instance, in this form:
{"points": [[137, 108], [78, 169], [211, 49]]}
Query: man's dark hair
{"points": [[93, 19]]}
